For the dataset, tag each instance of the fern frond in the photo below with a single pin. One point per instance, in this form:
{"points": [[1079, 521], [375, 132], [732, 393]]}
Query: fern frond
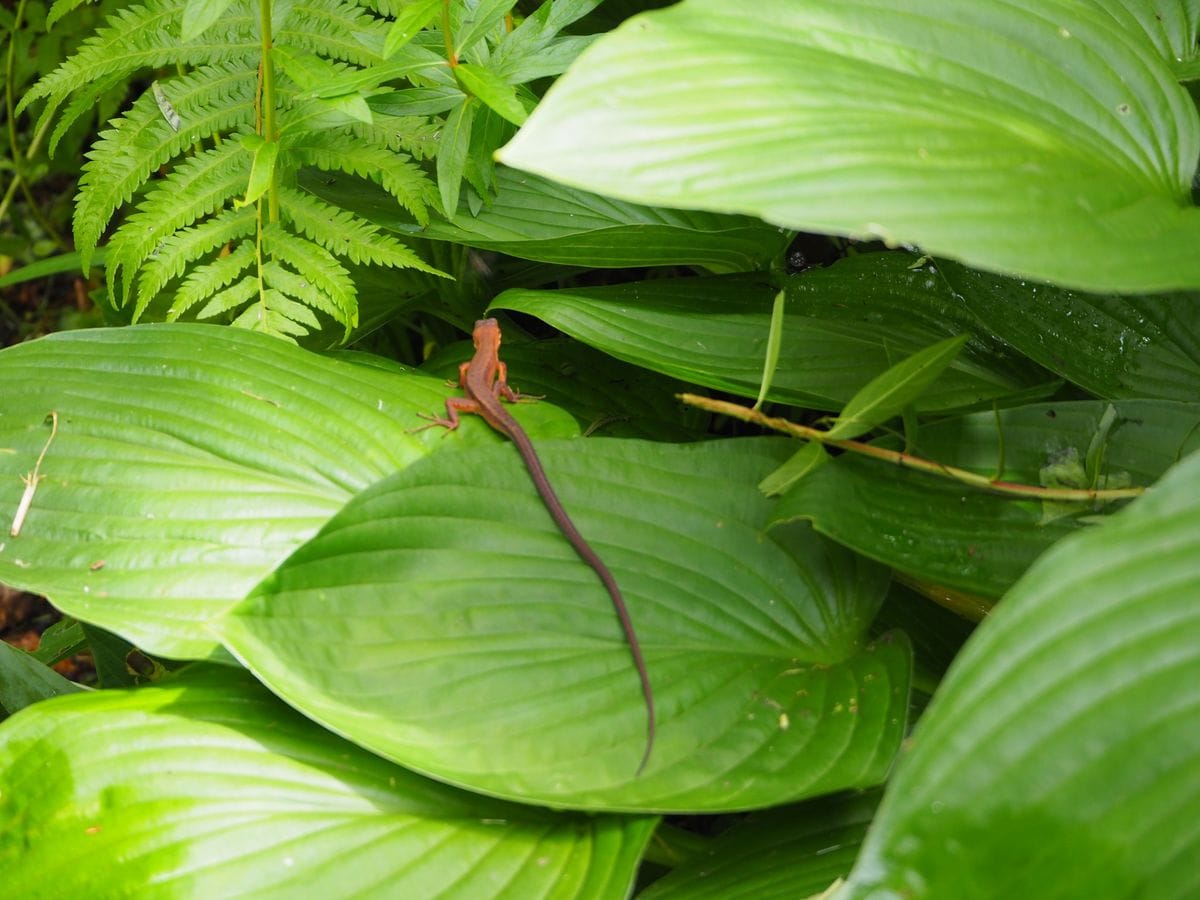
{"points": [[60, 8], [147, 35], [329, 286], [179, 249], [414, 135], [82, 103], [204, 281], [345, 234], [334, 29], [210, 101], [279, 316], [199, 185], [231, 297], [338, 151]]}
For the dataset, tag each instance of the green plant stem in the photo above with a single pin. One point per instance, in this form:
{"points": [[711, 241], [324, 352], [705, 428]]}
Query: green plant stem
{"points": [[19, 180], [908, 461], [268, 102]]}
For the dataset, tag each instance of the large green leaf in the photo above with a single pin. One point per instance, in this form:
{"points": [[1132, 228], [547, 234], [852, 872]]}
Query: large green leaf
{"points": [[959, 537], [1059, 758], [1113, 346], [842, 326], [1047, 139], [210, 787], [534, 218], [189, 461], [442, 621], [781, 853]]}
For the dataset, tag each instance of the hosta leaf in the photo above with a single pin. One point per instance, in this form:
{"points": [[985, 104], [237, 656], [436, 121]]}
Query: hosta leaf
{"points": [[189, 461], [1061, 748], [961, 538], [207, 786], [988, 132], [714, 332], [442, 621], [1113, 346], [890, 392], [534, 218], [785, 853]]}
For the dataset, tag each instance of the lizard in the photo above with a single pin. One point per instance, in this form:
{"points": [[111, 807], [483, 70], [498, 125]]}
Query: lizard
{"points": [[484, 379]]}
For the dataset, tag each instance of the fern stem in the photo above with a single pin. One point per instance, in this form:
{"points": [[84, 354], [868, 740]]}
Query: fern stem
{"points": [[19, 180], [268, 104], [258, 266]]}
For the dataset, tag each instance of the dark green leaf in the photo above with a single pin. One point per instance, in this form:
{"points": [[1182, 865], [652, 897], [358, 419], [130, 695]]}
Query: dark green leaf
{"points": [[536, 219], [61, 640], [959, 537], [1115, 347], [1059, 756], [24, 681], [784, 853], [452, 154], [714, 331]]}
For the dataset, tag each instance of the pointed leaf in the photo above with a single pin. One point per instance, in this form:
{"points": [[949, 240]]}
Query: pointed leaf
{"points": [[452, 154], [505, 665], [409, 21], [805, 460], [482, 18], [888, 393], [207, 786], [1061, 748], [493, 91], [262, 172]]}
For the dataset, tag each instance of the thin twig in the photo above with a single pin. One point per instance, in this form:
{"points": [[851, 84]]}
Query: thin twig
{"points": [[908, 461], [31, 480]]}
